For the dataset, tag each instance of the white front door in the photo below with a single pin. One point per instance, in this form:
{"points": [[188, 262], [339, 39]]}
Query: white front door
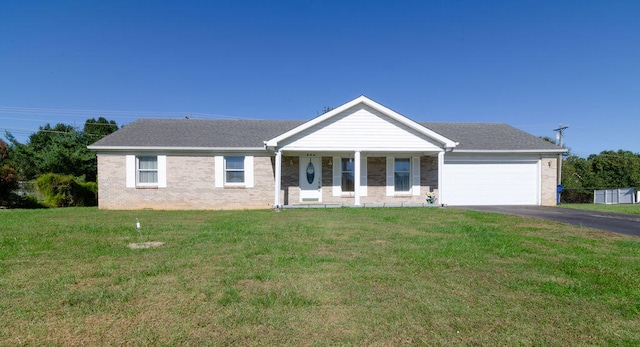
{"points": [[310, 179]]}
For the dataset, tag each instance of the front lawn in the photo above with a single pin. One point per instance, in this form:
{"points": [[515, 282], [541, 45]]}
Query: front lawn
{"points": [[427, 276], [619, 208]]}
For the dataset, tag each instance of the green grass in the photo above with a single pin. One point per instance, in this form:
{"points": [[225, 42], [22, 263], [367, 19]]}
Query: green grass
{"points": [[426, 276], [619, 208]]}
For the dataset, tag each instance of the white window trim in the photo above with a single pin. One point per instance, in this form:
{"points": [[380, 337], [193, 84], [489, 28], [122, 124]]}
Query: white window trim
{"points": [[363, 176], [131, 168], [414, 177], [248, 171], [220, 172], [337, 178]]}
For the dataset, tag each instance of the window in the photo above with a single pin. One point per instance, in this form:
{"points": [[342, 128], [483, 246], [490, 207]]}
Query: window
{"points": [[402, 174], [234, 169], [347, 169], [147, 170]]}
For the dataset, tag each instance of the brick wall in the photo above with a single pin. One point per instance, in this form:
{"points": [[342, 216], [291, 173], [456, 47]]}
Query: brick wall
{"points": [[376, 181], [190, 185], [549, 173]]}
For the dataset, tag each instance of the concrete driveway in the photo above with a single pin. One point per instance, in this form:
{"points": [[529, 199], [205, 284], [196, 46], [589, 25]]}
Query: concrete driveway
{"points": [[628, 224]]}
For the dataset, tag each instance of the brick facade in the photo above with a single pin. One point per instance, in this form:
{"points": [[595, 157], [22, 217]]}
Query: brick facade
{"points": [[549, 180], [376, 182], [191, 184]]}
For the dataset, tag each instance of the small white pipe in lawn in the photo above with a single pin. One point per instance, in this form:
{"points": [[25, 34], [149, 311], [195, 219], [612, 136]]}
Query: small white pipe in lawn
{"points": [[138, 227]]}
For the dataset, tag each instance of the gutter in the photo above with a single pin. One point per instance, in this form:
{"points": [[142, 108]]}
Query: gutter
{"points": [[508, 151], [173, 149]]}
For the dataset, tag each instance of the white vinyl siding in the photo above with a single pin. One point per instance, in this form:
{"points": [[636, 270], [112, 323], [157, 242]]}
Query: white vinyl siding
{"points": [[362, 128], [473, 181]]}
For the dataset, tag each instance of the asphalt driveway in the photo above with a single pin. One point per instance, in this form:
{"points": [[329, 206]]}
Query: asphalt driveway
{"points": [[628, 224]]}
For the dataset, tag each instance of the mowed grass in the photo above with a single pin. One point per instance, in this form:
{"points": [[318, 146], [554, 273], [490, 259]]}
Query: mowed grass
{"points": [[426, 276], [618, 208]]}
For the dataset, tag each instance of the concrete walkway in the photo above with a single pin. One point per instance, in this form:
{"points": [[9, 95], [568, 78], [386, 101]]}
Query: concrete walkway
{"points": [[621, 223]]}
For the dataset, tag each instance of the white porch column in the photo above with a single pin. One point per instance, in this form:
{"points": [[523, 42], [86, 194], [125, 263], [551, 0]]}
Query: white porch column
{"points": [[278, 179], [356, 178], [440, 176]]}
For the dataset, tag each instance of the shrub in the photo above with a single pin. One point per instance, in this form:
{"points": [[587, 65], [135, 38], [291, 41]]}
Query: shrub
{"points": [[65, 190], [24, 201], [8, 183]]}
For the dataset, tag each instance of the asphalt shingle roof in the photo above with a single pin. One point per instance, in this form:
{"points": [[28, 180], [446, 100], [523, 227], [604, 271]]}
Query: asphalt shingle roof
{"points": [[197, 133], [252, 133], [489, 136]]}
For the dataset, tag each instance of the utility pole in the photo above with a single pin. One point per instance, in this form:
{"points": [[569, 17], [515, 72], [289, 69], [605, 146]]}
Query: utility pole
{"points": [[560, 129], [559, 136]]}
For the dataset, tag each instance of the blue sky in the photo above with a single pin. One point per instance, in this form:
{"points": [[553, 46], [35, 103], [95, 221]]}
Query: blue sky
{"points": [[531, 64]]}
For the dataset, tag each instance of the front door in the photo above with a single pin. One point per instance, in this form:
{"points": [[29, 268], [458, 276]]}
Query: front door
{"points": [[310, 179]]}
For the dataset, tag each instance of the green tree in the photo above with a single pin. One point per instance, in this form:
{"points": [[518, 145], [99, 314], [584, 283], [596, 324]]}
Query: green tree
{"points": [[8, 176], [4, 150], [60, 149], [611, 169], [99, 128]]}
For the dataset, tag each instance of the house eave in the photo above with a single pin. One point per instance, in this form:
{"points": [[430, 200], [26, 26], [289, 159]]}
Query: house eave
{"points": [[123, 149], [447, 143], [506, 151]]}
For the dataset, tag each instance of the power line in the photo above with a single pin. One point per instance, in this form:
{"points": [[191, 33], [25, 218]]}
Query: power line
{"points": [[14, 110], [559, 136]]}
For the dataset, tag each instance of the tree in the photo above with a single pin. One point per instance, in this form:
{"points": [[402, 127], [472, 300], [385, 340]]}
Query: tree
{"points": [[8, 176], [548, 139], [4, 150], [326, 109], [99, 128], [611, 169], [60, 149]]}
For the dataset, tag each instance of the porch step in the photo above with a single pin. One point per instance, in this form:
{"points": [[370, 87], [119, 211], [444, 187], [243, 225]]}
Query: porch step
{"points": [[321, 205]]}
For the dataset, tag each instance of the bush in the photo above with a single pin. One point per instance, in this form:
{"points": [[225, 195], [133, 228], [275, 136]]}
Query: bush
{"points": [[8, 183], [25, 201], [65, 190], [576, 196]]}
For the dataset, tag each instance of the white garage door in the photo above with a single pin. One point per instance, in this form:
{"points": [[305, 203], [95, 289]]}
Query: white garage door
{"points": [[467, 182]]}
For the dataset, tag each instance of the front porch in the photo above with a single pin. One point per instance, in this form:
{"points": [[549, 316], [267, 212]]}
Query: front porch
{"points": [[355, 179]]}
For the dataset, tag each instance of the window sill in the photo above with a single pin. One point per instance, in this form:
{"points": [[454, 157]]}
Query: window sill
{"points": [[147, 187], [235, 186]]}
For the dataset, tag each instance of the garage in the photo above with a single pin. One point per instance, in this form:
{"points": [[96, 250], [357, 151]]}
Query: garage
{"points": [[478, 181]]}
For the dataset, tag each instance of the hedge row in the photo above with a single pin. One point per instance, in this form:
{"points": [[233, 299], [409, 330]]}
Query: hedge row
{"points": [[65, 190]]}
